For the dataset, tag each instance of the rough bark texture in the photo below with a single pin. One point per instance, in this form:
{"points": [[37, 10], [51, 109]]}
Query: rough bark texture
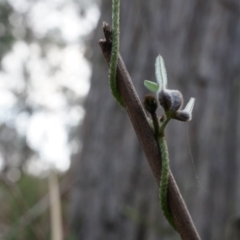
{"points": [[115, 194]]}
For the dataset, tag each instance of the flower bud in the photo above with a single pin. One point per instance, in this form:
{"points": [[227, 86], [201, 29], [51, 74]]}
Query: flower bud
{"points": [[150, 103], [182, 116], [185, 114], [170, 100]]}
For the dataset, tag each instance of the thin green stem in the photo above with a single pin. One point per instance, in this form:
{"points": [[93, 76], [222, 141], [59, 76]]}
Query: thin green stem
{"points": [[163, 125], [163, 190], [115, 50], [164, 180], [155, 123]]}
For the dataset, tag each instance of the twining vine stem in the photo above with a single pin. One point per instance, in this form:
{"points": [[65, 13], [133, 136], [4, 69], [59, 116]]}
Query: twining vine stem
{"points": [[151, 104], [115, 50], [133, 106], [163, 188]]}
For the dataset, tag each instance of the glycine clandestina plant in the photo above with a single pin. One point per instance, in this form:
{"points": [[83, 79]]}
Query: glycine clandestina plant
{"points": [[171, 101]]}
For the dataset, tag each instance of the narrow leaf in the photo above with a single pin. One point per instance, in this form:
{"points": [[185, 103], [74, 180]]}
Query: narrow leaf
{"points": [[161, 74], [151, 86]]}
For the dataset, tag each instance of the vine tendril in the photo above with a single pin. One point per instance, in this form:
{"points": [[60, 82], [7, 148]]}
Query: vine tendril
{"points": [[115, 50]]}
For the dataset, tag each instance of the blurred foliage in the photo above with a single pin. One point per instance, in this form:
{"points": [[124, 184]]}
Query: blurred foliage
{"points": [[23, 198], [13, 147], [17, 27], [6, 35], [25, 214], [17, 200]]}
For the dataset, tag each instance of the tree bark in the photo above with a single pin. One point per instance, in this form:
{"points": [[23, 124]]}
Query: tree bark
{"points": [[115, 196]]}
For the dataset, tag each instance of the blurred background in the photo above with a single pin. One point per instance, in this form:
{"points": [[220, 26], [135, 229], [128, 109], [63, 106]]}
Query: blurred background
{"points": [[71, 165], [45, 75]]}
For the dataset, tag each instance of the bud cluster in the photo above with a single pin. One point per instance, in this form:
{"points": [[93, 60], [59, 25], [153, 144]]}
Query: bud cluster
{"points": [[170, 100]]}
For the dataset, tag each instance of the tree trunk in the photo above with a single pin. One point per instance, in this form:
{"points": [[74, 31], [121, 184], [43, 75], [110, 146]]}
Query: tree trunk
{"points": [[115, 195]]}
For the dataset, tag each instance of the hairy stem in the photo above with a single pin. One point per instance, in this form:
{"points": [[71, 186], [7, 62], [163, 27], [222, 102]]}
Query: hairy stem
{"points": [[115, 49], [163, 188]]}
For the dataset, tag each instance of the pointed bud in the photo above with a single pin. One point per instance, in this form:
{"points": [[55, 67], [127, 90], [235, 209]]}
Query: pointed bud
{"points": [[190, 105], [185, 114], [182, 116]]}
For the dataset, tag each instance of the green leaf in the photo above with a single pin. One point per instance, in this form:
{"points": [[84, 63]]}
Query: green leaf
{"points": [[161, 73], [151, 86]]}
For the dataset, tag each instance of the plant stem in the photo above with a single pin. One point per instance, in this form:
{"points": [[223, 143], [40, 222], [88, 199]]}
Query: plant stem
{"points": [[164, 180], [133, 106], [115, 50]]}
